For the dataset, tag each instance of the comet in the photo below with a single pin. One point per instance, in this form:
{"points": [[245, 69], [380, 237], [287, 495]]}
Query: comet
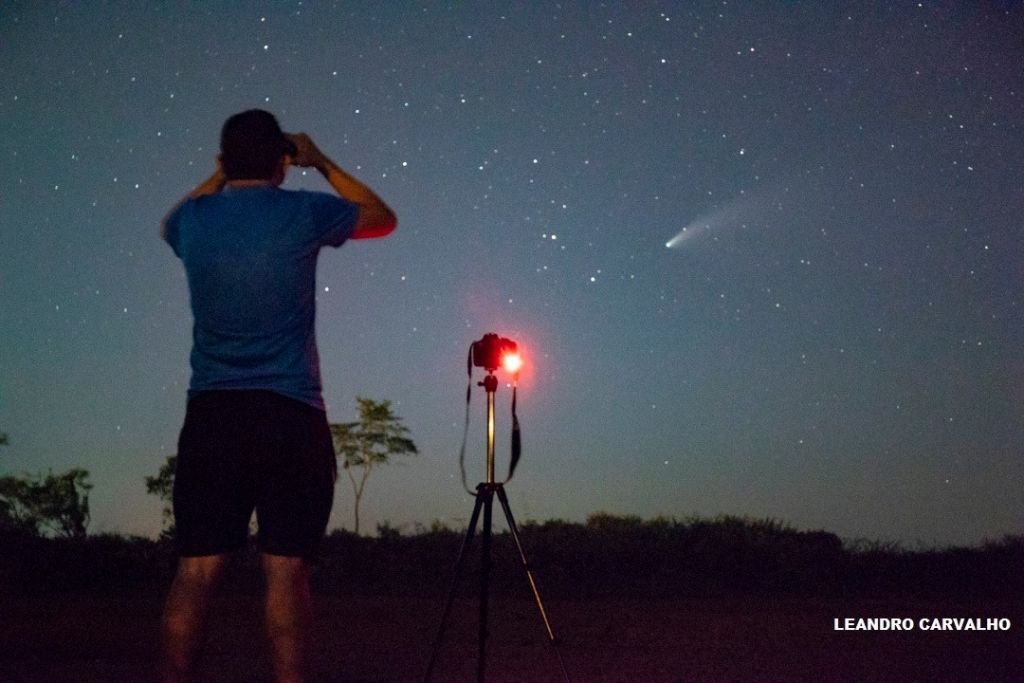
{"points": [[713, 221]]}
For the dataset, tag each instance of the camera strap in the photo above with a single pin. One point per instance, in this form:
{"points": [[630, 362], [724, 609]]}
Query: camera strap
{"points": [[517, 442], [465, 424]]}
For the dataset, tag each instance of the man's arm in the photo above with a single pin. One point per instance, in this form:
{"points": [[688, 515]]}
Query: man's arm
{"points": [[212, 185], [376, 219]]}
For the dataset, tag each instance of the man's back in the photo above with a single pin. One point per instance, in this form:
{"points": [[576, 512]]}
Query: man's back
{"points": [[250, 256]]}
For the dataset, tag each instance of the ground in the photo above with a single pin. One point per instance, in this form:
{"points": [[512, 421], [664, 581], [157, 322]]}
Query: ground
{"points": [[89, 638]]}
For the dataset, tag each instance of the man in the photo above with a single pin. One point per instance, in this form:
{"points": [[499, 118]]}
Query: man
{"points": [[255, 435]]}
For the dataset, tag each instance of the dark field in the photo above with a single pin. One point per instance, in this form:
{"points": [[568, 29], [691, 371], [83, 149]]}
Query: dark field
{"points": [[630, 601], [86, 639]]}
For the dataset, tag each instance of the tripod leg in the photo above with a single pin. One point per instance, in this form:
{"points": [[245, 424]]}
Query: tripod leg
{"points": [[466, 542], [487, 491], [514, 530]]}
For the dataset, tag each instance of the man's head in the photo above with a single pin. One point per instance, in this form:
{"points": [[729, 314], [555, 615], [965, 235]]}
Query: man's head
{"points": [[253, 147]]}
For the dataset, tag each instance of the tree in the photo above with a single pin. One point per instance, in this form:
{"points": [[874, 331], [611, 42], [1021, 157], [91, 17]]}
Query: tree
{"points": [[162, 486], [58, 503], [7, 521], [14, 517], [363, 445]]}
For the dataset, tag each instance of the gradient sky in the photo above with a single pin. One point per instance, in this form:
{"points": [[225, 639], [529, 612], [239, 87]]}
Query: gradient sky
{"points": [[834, 338]]}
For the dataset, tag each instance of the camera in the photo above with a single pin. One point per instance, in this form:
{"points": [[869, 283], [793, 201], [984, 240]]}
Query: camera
{"points": [[489, 352]]}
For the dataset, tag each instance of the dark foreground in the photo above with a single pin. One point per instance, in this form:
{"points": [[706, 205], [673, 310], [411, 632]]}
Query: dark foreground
{"points": [[90, 638]]}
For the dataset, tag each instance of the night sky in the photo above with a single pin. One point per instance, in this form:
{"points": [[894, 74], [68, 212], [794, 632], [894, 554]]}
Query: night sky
{"points": [[763, 259]]}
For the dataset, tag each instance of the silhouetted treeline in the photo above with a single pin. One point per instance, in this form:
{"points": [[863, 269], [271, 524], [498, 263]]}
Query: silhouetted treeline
{"points": [[607, 556]]}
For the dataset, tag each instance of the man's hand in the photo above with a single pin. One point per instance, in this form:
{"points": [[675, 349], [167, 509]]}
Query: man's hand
{"points": [[307, 154], [376, 219]]}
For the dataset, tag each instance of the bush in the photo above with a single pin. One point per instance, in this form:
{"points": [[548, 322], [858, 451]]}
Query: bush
{"points": [[101, 563], [608, 556]]}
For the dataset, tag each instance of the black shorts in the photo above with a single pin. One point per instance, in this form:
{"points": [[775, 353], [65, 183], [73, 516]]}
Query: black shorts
{"points": [[241, 451]]}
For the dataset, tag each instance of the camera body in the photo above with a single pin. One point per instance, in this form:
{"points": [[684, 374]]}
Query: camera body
{"points": [[489, 351]]}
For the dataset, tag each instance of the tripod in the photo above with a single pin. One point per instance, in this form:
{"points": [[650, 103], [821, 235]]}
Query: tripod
{"points": [[485, 492]]}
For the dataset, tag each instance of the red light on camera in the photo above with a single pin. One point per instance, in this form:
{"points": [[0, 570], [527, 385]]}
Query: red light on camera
{"points": [[512, 362]]}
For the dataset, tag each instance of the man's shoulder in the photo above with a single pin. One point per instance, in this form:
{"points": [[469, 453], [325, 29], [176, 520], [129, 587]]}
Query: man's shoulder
{"points": [[309, 195], [312, 200], [323, 205]]}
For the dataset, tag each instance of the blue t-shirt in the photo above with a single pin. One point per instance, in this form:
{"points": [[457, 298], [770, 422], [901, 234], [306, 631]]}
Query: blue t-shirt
{"points": [[250, 257]]}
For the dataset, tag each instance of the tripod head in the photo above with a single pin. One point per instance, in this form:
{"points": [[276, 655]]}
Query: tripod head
{"points": [[489, 382]]}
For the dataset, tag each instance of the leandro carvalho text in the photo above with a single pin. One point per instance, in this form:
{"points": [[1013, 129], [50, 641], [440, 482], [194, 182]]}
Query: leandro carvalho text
{"points": [[922, 624]]}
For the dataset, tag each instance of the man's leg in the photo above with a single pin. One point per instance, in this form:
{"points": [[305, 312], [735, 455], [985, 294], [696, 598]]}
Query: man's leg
{"points": [[289, 615], [184, 620]]}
